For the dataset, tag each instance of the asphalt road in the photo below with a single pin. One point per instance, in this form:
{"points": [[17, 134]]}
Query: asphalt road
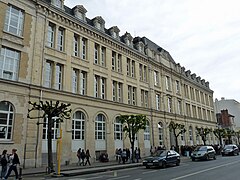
{"points": [[223, 168]]}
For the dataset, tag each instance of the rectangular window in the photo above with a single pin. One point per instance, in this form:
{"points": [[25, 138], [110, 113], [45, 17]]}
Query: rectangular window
{"points": [[169, 104], [145, 73], [188, 109], [179, 107], [199, 113], [103, 56], [83, 82], [99, 87], [14, 21], [114, 61], [50, 38], [9, 63], [168, 83], [117, 91], [133, 69], [158, 101], [141, 72], [144, 98], [119, 63], [177, 87], [156, 78], [60, 40], [74, 80], [84, 48], [96, 52], [132, 95], [48, 74], [76, 45], [128, 66], [59, 77]]}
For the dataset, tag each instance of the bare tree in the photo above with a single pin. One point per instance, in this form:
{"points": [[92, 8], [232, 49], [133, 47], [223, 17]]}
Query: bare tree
{"points": [[203, 132], [133, 123], [177, 129], [54, 113]]}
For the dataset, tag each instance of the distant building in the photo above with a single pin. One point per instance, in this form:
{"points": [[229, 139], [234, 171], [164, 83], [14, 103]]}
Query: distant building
{"points": [[225, 120], [52, 52], [232, 106]]}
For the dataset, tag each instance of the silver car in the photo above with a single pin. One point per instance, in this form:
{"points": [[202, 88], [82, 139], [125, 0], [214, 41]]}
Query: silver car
{"points": [[203, 153]]}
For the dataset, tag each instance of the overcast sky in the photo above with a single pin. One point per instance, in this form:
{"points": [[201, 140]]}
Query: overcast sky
{"points": [[201, 35]]}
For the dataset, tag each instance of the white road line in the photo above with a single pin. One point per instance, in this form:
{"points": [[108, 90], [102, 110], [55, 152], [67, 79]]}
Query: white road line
{"points": [[182, 177], [147, 172], [121, 177]]}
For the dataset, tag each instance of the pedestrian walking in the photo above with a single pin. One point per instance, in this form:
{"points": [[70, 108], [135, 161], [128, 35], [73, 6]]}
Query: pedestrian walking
{"points": [[78, 155], [124, 156], [14, 161], [82, 156], [137, 154], [87, 157], [4, 162]]}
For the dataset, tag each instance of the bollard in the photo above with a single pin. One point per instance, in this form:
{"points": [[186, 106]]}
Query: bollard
{"points": [[20, 173]]}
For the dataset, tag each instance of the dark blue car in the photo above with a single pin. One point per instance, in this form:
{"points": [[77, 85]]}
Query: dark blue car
{"points": [[162, 158]]}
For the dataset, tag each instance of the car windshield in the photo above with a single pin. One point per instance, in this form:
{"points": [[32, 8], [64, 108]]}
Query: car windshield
{"points": [[228, 147], [160, 153], [201, 148]]}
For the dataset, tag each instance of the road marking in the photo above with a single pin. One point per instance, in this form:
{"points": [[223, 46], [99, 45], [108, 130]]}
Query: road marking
{"points": [[182, 177], [121, 177], [146, 172]]}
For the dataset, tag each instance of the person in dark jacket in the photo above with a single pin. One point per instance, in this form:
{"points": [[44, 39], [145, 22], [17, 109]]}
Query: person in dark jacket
{"points": [[4, 162], [87, 157], [14, 161]]}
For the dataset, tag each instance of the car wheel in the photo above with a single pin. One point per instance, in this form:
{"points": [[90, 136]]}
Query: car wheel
{"points": [[238, 153], [193, 159], [207, 157], [164, 165], [214, 157], [147, 167], [178, 163]]}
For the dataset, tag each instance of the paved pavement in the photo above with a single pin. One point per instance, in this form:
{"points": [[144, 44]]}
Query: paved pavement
{"points": [[74, 169]]}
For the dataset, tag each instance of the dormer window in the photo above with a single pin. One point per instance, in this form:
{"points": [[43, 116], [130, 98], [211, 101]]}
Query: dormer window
{"points": [[99, 23], [127, 38], [80, 12], [58, 3], [114, 32]]}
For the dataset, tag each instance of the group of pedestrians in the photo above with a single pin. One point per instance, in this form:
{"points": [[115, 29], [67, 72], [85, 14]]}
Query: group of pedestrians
{"points": [[124, 155], [9, 163], [83, 157]]}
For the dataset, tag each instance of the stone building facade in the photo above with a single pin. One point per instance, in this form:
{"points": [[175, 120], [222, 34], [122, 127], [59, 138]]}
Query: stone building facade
{"points": [[52, 52]]}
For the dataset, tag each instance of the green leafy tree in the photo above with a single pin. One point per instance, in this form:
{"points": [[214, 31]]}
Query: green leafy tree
{"points": [[219, 133], [54, 113], [203, 132], [177, 129], [131, 125]]}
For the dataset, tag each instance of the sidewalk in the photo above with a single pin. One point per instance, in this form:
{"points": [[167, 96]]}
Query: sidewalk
{"points": [[73, 169]]}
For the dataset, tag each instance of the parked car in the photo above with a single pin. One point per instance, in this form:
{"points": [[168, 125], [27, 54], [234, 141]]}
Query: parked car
{"points": [[203, 153], [162, 158], [230, 149]]}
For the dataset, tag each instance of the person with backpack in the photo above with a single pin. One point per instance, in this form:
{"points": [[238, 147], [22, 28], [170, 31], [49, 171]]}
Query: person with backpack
{"points": [[4, 162], [14, 161]]}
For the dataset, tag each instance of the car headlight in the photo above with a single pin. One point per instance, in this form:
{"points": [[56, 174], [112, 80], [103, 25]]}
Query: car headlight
{"points": [[155, 161], [144, 161]]}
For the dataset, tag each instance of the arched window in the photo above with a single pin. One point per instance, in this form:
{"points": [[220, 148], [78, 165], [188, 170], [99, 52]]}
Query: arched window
{"points": [[118, 129], [78, 125], [6, 120], [147, 132], [100, 129], [160, 133]]}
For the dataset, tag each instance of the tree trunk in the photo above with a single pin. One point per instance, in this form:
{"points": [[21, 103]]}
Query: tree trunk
{"points": [[177, 148], [132, 147], [49, 140]]}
